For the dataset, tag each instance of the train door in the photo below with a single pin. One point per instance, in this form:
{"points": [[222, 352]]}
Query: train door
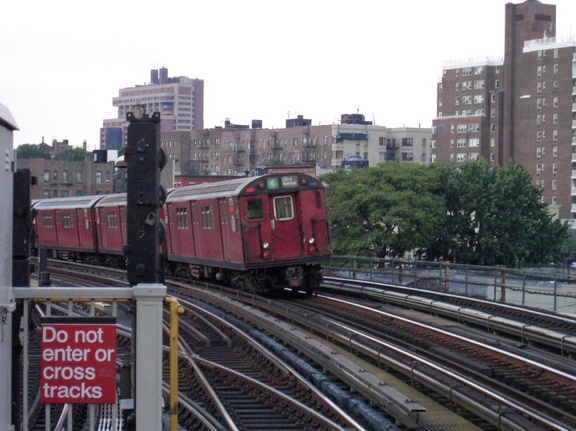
{"points": [[46, 228], [285, 226], [67, 228], [180, 226], [230, 228], [255, 226], [315, 230], [87, 236]]}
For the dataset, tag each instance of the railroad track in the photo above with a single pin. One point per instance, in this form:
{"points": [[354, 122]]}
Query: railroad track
{"points": [[354, 333], [241, 384]]}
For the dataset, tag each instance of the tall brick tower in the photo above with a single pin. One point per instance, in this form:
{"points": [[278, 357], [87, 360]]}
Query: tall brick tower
{"points": [[523, 22]]}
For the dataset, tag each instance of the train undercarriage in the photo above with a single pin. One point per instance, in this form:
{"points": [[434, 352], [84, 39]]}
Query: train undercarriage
{"points": [[262, 281]]}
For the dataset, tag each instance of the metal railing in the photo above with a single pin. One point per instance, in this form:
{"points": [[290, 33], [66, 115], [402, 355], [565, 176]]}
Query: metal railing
{"points": [[551, 288], [147, 356]]}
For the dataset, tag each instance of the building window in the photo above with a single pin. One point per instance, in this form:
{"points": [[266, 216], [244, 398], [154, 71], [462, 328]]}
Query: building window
{"points": [[46, 176], [78, 177], [65, 177], [46, 194], [98, 177]]}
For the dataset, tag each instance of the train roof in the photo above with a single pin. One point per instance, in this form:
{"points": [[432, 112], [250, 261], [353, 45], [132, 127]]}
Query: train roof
{"points": [[264, 184], [112, 200], [66, 203]]}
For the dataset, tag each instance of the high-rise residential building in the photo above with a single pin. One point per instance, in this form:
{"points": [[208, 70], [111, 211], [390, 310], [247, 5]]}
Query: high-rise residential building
{"points": [[521, 108], [180, 101]]}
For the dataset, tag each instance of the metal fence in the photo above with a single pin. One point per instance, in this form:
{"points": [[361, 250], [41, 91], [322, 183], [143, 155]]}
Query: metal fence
{"points": [[146, 397], [550, 288]]}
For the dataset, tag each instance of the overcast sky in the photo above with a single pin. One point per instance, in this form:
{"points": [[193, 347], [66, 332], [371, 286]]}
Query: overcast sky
{"points": [[62, 62]]}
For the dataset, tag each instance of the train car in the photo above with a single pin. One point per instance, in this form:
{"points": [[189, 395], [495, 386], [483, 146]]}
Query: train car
{"points": [[111, 221], [66, 227], [261, 234]]}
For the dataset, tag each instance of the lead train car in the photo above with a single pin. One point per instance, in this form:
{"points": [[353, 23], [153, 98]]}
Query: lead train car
{"points": [[260, 234]]}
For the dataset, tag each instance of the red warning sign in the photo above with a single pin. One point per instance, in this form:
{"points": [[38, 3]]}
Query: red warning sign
{"points": [[78, 360]]}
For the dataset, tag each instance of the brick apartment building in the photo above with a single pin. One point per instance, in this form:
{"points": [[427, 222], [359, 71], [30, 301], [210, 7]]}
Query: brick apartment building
{"points": [[241, 149], [521, 108], [62, 178]]}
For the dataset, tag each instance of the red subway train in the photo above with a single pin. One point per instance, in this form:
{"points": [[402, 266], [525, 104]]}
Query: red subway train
{"points": [[259, 234]]}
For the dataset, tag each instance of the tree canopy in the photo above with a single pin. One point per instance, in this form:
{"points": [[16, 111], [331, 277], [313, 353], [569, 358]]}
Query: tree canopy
{"points": [[495, 217], [473, 214], [31, 151], [71, 155], [383, 211]]}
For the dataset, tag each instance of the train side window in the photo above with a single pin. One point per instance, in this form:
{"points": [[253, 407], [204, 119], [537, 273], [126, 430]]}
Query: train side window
{"points": [[181, 218], [255, 209], [47, 220], [67, 220], [207, 217], [283, 209], [111, 217]]}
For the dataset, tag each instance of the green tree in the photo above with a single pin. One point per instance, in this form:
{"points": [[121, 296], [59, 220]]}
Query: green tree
{"points": [[495, 217], [31, 151], [71, 155], [383, 211]]}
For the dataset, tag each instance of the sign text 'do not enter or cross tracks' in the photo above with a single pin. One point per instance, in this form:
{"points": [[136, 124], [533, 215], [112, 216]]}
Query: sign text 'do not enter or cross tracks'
{"points": [[78, 360]]}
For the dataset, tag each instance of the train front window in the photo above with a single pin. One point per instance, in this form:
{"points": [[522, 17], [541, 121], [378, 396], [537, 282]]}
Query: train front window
{"points": [[254, 209], [283, 208]]}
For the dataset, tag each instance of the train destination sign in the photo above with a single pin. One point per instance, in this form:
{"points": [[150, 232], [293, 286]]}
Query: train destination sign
{"points": [[78, 360]]}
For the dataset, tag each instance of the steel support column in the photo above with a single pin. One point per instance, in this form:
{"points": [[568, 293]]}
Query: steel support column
{"points": [[148, 355]]}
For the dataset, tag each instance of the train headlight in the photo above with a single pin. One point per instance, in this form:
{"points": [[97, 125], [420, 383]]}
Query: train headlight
{"points": [[266, 246], [311, 241]]}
